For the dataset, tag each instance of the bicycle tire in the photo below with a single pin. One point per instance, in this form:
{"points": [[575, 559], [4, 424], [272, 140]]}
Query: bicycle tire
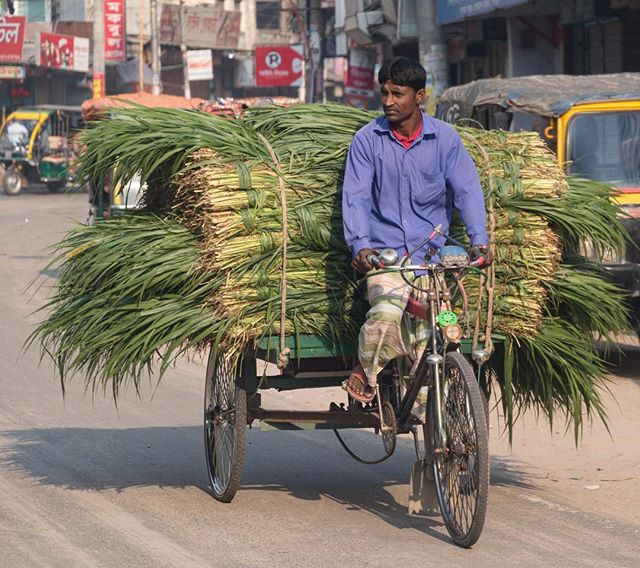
{"points": [[225, 427], [461, 471]]}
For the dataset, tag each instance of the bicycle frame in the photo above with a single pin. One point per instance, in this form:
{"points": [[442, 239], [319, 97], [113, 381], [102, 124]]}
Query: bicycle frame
{"points": [[428, 371]]}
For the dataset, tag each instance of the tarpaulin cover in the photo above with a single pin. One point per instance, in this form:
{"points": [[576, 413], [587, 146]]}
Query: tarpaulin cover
{"points": [[91, 107], [545, 95]]}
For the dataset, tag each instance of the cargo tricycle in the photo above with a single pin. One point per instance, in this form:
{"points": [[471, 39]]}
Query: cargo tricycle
{"points": [[451, 439]]}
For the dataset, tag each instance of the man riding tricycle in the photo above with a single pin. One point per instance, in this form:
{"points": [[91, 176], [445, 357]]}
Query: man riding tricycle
{"points": [[37, 145]]}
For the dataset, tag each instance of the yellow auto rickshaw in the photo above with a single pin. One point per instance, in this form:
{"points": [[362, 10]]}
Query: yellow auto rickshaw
{"points": [[591, 122], [37, 146]]}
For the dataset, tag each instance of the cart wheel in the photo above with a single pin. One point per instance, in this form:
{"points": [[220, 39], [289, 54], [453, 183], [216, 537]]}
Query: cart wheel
{"points": [[225, 427], [461, 467], [12, 181], [391, 435]]}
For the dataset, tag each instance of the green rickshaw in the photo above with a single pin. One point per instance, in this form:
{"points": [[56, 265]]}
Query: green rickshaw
{"points": [[37, 146]]}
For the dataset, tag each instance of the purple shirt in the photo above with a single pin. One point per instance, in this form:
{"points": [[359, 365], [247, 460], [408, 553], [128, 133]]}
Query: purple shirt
{"points": [[394, 197]]}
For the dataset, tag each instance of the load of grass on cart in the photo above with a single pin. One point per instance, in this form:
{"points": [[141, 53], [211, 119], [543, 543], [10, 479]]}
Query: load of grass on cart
{"points": [[203, 263]]}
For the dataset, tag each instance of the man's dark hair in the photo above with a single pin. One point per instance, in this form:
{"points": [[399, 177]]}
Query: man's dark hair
{"points": [[404, 72]]}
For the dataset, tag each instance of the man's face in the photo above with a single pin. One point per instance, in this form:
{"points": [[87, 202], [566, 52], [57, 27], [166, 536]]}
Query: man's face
{"points": [[399, 102]]}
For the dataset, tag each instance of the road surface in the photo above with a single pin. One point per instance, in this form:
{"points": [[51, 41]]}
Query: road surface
{"points": [[86, 484]]}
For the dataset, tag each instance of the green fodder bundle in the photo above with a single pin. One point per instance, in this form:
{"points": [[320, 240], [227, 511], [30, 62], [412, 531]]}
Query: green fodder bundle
{"points": [[219, 185]]}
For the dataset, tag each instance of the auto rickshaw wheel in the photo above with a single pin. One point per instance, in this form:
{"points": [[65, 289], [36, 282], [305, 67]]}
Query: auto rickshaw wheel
{"points": [[12, 181]]}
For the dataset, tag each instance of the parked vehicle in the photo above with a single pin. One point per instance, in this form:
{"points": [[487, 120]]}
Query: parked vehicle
{"points": [[37, 146], [591, 122], [104, 199]]}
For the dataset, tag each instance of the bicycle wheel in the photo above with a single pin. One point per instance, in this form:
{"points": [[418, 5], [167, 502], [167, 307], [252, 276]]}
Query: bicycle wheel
{"points": [[461, 467], [225, 427]]}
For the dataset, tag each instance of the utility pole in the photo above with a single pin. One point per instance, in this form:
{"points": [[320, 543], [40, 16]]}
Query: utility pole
{"points": [[141, 46], [98, 49], [316, 47], [155, 48], [433, 53], [183, 50]]}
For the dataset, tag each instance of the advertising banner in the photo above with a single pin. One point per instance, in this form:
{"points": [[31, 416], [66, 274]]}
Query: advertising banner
{"points": [[435, 64], [114, 31], [81, 54], [205, 26], [199, 65], [360, 80], [98, 85], [279, 65], [11, 38], [59, 51], [455, 10]]}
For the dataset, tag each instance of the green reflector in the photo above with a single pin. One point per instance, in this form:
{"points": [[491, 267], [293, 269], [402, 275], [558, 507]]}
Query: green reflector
{"points": [[447, 318]]}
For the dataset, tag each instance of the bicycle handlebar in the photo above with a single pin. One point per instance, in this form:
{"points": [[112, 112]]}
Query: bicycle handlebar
{"points": [[378, 262]]}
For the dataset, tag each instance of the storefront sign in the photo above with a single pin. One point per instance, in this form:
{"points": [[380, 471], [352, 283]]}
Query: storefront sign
{"points": [[200, 65], [114, 30], [11, 38], [360, 80], [12, 72], [98, 85], [205, 26], [455, 10], [81, 54], [59, 51], [279, 65]]}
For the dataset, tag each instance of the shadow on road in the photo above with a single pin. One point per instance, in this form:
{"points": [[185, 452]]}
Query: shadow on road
{"points": [[306, 466], [625, 363]]}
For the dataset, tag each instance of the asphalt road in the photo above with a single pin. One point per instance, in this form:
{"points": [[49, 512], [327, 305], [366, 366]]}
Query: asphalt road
{"points": [[83, 484]]}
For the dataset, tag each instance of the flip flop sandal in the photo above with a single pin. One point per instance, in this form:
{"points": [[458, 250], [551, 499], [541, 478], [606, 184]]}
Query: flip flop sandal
{"points": [[360, 397]]}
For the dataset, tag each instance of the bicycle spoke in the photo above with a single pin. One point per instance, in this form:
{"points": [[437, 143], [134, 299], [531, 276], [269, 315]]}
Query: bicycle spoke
{"points": [[224, 427]]}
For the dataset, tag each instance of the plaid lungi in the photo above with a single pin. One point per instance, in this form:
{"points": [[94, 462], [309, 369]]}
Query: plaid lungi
{"points": [[389, 331]]}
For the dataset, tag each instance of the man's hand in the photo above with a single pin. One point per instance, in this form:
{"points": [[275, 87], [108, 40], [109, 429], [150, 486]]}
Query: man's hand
{"points": [[361, 261], [484, 252]]}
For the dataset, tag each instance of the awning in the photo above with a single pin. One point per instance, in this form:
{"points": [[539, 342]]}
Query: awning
{"points": [[448, 11]]}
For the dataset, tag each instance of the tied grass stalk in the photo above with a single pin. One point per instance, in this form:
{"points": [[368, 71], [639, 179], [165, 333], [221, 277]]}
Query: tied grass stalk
{"points": [[115, 316]]}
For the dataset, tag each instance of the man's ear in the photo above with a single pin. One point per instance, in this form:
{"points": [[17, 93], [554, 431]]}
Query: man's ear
{"points": [[421, 96]]}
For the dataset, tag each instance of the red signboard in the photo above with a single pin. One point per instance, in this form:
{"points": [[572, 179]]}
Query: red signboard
{"points": [[56, 51], [11, 38], [279, 65], [114, 30]]}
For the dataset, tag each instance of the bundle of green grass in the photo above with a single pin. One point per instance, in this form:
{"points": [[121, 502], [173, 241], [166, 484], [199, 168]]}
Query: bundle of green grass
{"points": [[203, 262]]}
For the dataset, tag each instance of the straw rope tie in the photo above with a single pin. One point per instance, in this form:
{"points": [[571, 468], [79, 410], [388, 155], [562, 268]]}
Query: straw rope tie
{"points": [[283, 357], [490, 281]]}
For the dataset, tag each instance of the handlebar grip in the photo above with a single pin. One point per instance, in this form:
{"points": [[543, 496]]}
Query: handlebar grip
{"points": [[374, 260], [478, 262]]}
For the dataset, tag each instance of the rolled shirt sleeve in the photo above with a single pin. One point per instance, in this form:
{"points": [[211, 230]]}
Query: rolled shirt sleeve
{"points": [[462, 177], [356, 195]]}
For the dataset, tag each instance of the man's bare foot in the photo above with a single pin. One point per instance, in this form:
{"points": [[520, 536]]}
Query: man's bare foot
{"points": [[357, 387]]}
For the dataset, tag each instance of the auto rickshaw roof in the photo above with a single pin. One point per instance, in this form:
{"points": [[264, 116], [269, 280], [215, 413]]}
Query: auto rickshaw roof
{"points": [[546, 95]]}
